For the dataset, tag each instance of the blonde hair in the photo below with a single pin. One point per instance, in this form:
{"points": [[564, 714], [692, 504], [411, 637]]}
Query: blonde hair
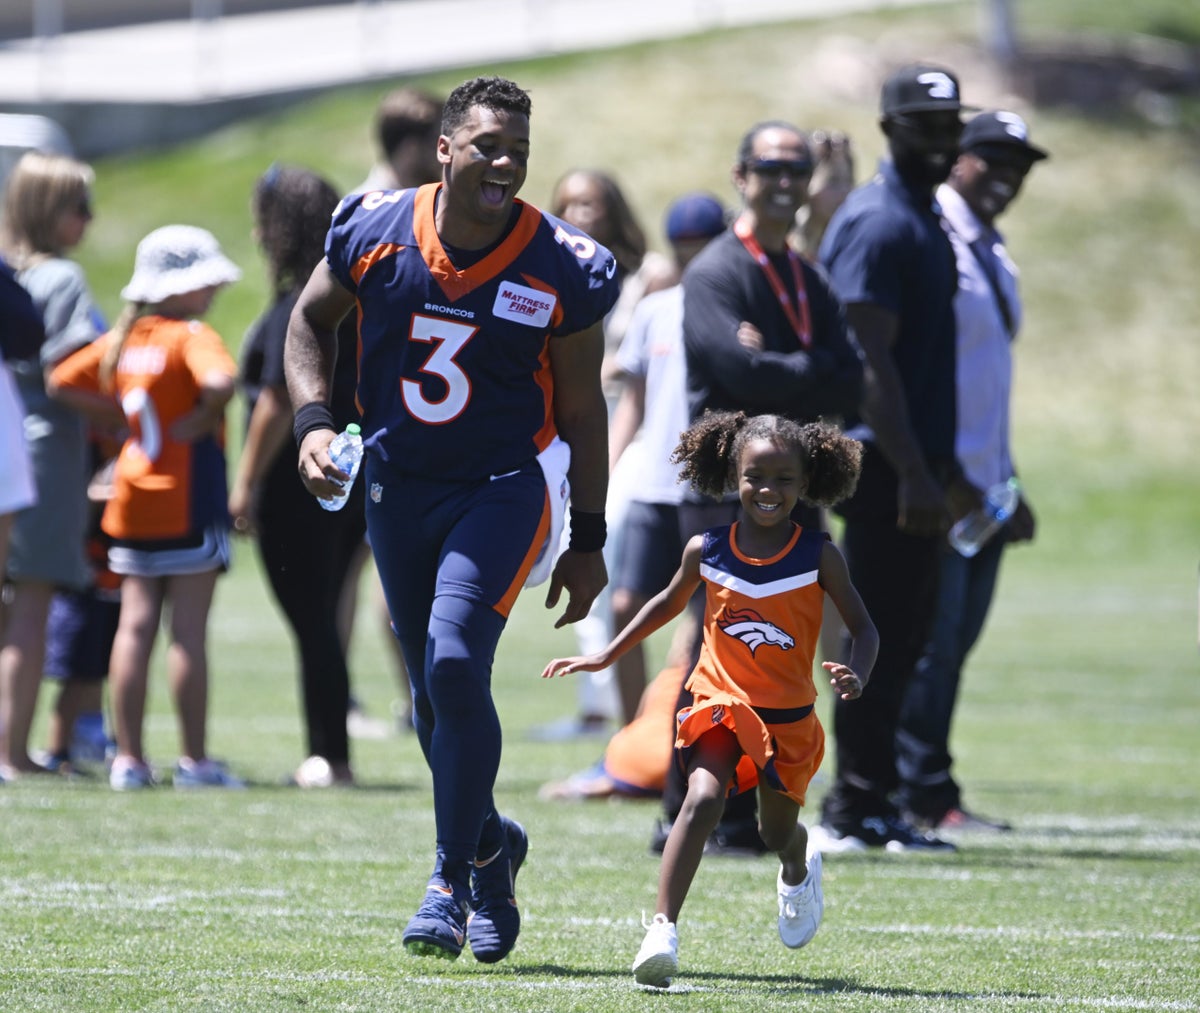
{"points": [[41, 189], [117, 338]]}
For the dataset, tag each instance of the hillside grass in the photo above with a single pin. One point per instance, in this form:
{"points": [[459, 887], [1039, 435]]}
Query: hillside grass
{"points": [[1079, 711]]}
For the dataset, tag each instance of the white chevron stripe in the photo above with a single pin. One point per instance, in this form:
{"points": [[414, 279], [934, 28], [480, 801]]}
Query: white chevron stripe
{"points": [[728, 580]]}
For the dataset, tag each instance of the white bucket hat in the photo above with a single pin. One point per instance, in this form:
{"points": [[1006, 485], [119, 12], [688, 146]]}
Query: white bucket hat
{"points": [[177, 259]]}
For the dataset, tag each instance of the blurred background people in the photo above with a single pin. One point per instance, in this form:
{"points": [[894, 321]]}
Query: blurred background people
{"points": [[651, 412], [831, 182], [80, 631], [307, 552], [593, 201], [21, 337], [406, 127], [892, 265], [987, 176], [47, 209], [650, 415]]}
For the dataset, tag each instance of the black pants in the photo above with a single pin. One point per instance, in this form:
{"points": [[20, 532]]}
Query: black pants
{"points": [[306, 552], [896, 574]]}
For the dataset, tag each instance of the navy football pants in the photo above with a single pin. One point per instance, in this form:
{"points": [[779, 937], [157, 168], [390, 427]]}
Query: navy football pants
{"points": [[450, 557]]}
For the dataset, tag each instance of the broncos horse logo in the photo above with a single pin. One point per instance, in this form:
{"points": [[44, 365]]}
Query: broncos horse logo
{"points": [[753, 630]]}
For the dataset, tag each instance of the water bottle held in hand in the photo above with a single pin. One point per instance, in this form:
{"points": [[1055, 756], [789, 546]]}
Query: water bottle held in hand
{"points": [[974, 530], [346, 451]]}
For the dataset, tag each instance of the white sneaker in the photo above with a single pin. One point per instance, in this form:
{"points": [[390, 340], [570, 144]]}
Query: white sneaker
{"points": [[204, 774], [801, 907], [832, 842], [128, 774], [658, 959], [315, 772]]}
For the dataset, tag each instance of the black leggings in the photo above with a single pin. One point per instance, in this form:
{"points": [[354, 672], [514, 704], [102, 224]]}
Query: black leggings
{"points": [[306, 552]]}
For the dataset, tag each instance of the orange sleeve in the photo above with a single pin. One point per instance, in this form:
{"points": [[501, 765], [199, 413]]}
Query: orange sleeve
{"points": [[205, 352], [81, 369]]}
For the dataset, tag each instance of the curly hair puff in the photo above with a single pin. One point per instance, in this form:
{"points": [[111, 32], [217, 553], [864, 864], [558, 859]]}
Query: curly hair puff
{"points": [[710, 448]]}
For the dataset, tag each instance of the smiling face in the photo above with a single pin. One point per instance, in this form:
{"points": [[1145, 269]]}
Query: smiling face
{"points": [[770, 481], [989, 182], [773, 181], [484, 163], [923, 145]]}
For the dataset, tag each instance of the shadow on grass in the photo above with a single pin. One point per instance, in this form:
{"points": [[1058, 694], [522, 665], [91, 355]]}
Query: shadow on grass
{"points": [[773, 984]]}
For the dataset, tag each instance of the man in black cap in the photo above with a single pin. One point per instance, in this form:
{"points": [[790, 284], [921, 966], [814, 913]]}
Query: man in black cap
{"points": [[892, 265], [995, 158]]}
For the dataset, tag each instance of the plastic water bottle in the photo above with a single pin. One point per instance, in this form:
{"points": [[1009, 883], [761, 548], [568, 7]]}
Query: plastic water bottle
{"points": [[974, 530], [346, 451]]}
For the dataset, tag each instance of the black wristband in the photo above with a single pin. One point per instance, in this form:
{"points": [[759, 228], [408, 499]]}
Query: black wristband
{"points": [[314, 415], [588, 531]]}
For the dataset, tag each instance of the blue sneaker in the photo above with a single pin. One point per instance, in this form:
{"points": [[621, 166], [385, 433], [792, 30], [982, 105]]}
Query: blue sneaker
{"points": [[495, 920], [439, 926]]}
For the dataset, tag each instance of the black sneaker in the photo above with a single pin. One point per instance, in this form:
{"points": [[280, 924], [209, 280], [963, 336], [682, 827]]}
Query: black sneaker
{"points": [[902, 836], [495, 920], [736, 838], [888, 832], [439, 926]]}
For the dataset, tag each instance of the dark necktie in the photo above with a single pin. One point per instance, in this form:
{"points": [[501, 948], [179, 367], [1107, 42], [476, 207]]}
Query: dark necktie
{"points": [[982, 248]]}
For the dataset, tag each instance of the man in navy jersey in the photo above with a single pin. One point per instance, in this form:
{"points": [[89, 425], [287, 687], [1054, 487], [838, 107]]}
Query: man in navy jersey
{"points": [[480, 344]]}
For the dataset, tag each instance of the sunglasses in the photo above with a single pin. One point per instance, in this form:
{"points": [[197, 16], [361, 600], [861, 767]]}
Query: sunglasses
{"points": [[773, 168], [84, 207]]}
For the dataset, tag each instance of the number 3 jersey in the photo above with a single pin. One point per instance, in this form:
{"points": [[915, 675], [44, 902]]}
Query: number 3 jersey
{"points": [[453, 365]]}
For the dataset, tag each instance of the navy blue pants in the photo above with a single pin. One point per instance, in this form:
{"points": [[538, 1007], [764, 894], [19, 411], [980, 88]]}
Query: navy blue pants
{"points": [[451, 557], [965, 590]]}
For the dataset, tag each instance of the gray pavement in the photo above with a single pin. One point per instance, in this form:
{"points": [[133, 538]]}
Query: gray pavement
{"points": [[143, 84]]}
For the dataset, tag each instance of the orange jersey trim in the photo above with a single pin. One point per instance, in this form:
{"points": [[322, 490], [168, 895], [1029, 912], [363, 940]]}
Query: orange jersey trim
{"points": [[506, 602], [369, 260], [453, 282]]}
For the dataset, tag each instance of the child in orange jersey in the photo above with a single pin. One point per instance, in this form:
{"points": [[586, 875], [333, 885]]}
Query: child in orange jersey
{"points": [[752, 719], [167, 377]]}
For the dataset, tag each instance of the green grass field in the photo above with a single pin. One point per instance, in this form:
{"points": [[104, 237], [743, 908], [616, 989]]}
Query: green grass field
{"points": [[1080, 711]]}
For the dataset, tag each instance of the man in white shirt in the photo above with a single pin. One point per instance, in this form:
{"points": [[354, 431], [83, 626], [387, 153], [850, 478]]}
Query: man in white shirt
{"points": [[995, 157]]}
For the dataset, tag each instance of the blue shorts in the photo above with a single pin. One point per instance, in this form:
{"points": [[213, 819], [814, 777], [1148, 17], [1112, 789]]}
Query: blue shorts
{"points": [[651, 548], [79, 634]]}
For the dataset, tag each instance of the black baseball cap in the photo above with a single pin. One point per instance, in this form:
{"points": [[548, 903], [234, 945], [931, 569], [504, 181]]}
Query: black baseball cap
{"points": [[920, 88], [1000, 131]]}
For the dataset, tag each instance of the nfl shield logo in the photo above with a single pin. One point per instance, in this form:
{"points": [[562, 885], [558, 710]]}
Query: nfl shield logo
{"points": [[376, 492]]}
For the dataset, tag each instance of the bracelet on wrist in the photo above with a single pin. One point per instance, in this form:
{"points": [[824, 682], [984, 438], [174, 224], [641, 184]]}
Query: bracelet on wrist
{"points": [[589, 531]]}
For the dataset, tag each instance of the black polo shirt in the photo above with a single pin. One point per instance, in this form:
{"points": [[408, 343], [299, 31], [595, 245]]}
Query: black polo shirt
{"points": [[886, 246]]}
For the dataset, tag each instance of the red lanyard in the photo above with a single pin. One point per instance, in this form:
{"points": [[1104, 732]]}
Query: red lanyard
{"points": [[800, 321]]}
